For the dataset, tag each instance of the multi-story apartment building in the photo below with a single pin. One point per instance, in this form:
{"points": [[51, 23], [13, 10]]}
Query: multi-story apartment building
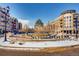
{"points": [[20, 26], [15, 24], [4, 15], [11, 23], [67, 24], [57, 27]]}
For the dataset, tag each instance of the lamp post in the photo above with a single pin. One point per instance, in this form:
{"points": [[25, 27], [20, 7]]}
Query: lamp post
{"points": [[5, 23], [5, 37], [76, 21]]}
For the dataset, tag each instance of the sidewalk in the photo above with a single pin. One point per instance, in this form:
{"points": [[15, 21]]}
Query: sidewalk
{"points": [[43, 44]]}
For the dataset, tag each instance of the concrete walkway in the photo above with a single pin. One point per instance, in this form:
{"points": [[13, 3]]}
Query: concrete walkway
{"points": [[41, 44]]}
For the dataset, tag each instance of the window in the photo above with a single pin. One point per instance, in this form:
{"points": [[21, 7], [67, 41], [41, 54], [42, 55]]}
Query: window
{"points": [[61, 26], [78, 24], [64, 17], [67, 32], [74, 32], [70, 32], [60, 19], [70, 17], [2, 16], [70, 20], [70, 26], [77, 31], [67, 17], [60, 23], [64, 31]]}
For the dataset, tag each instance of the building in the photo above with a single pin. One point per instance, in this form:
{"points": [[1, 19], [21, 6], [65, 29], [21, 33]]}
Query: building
{"points": [[38, 26], [57, 27], [20, 25], [11, 22], [67, 24], [23, 27], [15, 24], [4, 15], [47, 28]]}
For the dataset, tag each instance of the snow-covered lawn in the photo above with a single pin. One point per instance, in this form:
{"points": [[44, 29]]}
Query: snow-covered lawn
{"points": [[41, 44]]}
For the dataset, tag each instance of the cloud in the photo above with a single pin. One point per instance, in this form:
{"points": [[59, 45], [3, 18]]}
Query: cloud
{"points": [[24, 21]]}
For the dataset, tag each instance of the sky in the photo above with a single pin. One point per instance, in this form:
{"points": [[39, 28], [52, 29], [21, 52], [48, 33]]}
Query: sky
{"points": [[30, 12]]}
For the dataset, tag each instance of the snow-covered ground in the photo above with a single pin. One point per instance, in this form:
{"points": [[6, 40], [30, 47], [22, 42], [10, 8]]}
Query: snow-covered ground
{"points": [[41, 44]]}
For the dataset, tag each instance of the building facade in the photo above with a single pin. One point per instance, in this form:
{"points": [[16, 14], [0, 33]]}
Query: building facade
{"points": [[4, 15], [67, 24], [15, 24], [11, 23], [38, 26], [20, 26]]}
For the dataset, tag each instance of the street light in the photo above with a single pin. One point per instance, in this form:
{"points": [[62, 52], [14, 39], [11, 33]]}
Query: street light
{"points": [[5, 31], [5, 22], [76, 21]]}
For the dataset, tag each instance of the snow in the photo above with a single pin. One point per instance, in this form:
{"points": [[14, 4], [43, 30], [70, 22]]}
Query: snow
{"points": [[31, 49], [41, 44]]}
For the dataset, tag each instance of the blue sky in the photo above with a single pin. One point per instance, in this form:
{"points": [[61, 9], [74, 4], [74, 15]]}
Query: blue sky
{"points": [[44, 11]]}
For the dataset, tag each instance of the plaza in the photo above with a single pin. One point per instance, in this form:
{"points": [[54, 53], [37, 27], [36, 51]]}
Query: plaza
{"points": [[59, 36]]}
